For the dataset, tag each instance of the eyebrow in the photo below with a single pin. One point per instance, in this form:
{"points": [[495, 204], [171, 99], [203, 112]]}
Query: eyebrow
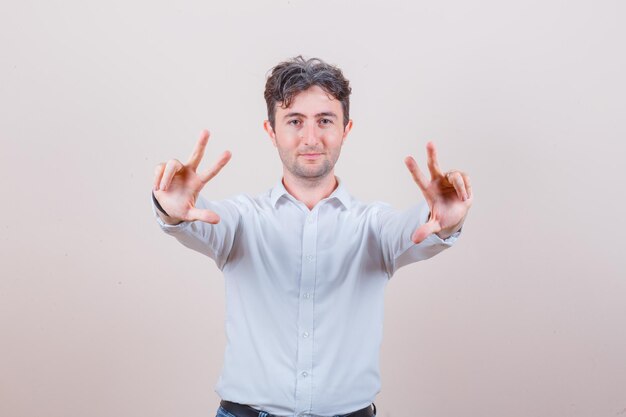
{"points": [[322, 114]]}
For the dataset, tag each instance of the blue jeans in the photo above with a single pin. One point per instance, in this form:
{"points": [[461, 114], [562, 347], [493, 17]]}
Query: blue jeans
{"points": [[223, 413]]}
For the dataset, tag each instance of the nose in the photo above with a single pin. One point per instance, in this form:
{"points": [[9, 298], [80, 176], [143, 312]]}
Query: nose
{"points": [[309, 134]]}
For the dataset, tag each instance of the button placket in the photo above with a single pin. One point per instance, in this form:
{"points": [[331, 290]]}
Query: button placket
{"points": [[304, 381]]}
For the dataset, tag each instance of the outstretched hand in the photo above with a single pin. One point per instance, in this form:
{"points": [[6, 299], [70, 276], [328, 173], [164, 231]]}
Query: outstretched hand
{"points": [[177, 185], [449, 196]]}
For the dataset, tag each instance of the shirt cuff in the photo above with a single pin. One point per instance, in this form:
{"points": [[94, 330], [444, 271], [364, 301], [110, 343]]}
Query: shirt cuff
{"points": [[450, 239]]}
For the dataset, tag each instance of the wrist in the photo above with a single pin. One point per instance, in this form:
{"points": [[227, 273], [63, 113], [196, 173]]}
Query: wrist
{"points": [[158, 206], [166, 218], [445, 234]]}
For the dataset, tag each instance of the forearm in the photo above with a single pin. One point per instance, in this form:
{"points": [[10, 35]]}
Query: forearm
{"points": [[213, 240], [397, 228]]}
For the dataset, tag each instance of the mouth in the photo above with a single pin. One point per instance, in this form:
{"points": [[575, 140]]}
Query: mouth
{"points": [[311, 156]]}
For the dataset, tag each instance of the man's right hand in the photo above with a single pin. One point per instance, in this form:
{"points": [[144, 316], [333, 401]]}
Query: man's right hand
{"points": [[176, 186]]}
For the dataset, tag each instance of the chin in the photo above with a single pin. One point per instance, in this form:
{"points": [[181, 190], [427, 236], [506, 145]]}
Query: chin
{"points": [[316, 173]]}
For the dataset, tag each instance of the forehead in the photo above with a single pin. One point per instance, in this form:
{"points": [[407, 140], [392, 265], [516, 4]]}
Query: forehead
{"points": [[313, 100]]}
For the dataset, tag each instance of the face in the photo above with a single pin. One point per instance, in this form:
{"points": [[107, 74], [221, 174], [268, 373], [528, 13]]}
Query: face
{"points": [[309, 134]]}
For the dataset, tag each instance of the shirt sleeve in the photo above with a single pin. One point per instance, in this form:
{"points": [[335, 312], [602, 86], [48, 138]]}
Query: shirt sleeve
{"points": [[213, 240], [396, 229]]}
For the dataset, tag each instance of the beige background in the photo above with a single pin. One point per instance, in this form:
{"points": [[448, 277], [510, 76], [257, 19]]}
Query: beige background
{"points": [[103, 315]]}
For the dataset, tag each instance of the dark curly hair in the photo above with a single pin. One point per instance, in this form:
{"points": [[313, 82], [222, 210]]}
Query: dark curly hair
{"points": [[289, 78]]}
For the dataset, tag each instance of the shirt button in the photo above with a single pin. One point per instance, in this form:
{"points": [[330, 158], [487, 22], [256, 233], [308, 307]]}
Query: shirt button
{"points": [[305, 334], [307, 295], [310, 257], [304, 374], [310, 219]]}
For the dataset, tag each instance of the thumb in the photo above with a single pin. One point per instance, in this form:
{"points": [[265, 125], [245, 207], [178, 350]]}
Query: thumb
{"points": [[203, 215], [425, 230]]}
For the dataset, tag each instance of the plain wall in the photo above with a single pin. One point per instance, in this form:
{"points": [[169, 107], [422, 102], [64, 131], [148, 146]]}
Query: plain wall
{"points": [[103, 315]]}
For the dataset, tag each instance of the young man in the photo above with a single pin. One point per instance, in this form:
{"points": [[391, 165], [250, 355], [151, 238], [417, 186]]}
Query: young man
{"points": [[305, 264]]}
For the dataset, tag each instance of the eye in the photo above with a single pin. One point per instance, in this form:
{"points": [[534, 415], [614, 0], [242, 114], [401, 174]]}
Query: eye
{"points": [[294, 122], [326, 122]]}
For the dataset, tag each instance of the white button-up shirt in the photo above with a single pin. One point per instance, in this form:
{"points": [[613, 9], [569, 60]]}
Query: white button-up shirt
{"points": [[304, 295]]}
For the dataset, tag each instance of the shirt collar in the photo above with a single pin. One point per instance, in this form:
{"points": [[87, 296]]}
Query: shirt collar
{"points": [[340, 194]]}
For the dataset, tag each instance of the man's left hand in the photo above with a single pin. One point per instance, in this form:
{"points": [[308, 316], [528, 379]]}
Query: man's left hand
{"points": [[449, 196]]}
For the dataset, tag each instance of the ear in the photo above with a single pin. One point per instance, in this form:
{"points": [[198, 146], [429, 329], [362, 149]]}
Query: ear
{"points": [[268, 128], [346, 130]]}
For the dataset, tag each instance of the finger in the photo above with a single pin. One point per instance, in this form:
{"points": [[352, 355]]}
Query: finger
{"points": [[210, 173], [203, 215], [198, 150], [456, 179], [468, 185], [158, 173], [433, 163], [416, 172], [171, 168], [425, 230]]}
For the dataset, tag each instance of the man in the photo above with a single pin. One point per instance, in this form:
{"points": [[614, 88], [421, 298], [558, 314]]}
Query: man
{"points": [[305, 264]]}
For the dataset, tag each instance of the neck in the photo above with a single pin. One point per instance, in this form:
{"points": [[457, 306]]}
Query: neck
{"points": [[310, 191]]}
